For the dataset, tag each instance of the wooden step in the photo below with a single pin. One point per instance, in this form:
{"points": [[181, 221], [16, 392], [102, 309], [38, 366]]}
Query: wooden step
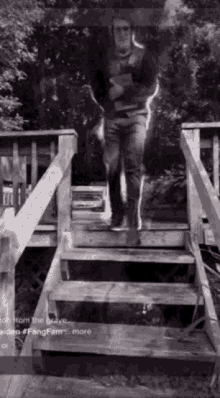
{"points": [[104, 238], [66, 387], [98, 222], [130, 255], [129, 340], [126, 292]]}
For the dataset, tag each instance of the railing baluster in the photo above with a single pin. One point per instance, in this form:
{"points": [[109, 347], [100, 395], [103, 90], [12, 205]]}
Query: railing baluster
{"points": [[15, 177], [67, 145], [216, 163], [1, 186], [34, 164], [53, 203], [52, 150], [23, 179]]}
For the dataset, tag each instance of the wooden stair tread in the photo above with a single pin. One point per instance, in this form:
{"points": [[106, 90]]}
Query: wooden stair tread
{"points": [[66, 387], [96, 222], [92, 238], [146, 225], [130, 255], [128, 292], [132, 340]]}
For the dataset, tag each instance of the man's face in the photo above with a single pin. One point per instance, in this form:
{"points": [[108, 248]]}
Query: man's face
{"points": [[122, 34]]}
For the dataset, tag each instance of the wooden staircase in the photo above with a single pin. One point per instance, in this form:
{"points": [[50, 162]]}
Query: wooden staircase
{"points": [[93, 245], [111, 272]]}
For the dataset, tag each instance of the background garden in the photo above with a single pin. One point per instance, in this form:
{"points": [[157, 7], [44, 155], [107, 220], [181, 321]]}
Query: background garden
{"points": [[44, 47]]}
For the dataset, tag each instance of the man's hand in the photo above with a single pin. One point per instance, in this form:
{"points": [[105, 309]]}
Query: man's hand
{"points": [[115, 91]]}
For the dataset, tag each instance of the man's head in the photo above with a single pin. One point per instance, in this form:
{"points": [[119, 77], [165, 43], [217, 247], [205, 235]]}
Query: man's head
{"points": [[122, 32]]}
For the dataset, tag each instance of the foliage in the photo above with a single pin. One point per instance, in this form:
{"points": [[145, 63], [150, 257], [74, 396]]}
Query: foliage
{"points": [[168, 187], [53, 90], [16, 25]]}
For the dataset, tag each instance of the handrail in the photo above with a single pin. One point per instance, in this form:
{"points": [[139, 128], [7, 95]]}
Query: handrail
{"points": [[5, 134], [197, 125], [15, 235], [25, 222], [205, 189]]}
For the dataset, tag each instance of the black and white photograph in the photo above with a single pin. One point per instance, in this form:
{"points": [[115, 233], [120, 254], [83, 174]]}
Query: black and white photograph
{"points": [[109, 198]]}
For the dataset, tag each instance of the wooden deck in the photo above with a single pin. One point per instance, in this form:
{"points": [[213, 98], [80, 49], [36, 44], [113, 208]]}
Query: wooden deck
{"points": [[56, 387]]}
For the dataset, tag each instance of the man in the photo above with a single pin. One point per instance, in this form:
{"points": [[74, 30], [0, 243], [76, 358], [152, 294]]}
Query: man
{"points": [[123, 79]]}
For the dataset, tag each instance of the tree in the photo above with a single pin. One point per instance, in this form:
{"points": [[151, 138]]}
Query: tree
{"points": [[17, 19]]}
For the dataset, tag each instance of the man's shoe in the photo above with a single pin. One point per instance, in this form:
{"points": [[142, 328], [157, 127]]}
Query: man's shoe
{"points": [[134, 222], [116, 222]]}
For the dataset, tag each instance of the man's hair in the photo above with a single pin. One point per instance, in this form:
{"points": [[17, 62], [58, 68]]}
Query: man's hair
{"points": [[115, 17]]}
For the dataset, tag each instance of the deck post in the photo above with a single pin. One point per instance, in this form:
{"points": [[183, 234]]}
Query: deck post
{"points": [[65, 146], [7, 294], [194, 207], [216, 163], [7, 313]]}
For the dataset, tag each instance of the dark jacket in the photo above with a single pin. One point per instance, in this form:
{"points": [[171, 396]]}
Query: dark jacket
{"points": [[140, 64]]}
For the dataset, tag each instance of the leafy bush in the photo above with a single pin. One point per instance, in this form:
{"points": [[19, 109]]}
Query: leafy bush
{"points": [[169, 187]]}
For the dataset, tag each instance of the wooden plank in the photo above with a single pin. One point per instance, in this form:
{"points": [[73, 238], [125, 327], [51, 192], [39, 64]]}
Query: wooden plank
{"points": [[53, 202], [193, 201], [164, 226], [67, 147], [129, 340], [211, 322], [7, 311], [1, 185], [209, 238], [23, 180], [15, 177], [37, 133], [126, 292], [50, 211], [47, 239], [89, 188], [85, 238], [53, 387], [52, 150], [146, 225], [204, 187], [34, 164], [197, 125], [216, 163], [90, 197], [130, 255], [98, 220], [13, 386], [46, 228], [7, 291]]}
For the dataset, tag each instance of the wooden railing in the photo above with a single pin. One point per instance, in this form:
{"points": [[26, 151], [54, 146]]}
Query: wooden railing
{"points": [[14, 236], [24, 156], [202, 194]]}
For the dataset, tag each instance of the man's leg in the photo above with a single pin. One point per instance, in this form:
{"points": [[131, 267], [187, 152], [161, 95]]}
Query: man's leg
{"points": [[133, 148], [112, 158]]}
